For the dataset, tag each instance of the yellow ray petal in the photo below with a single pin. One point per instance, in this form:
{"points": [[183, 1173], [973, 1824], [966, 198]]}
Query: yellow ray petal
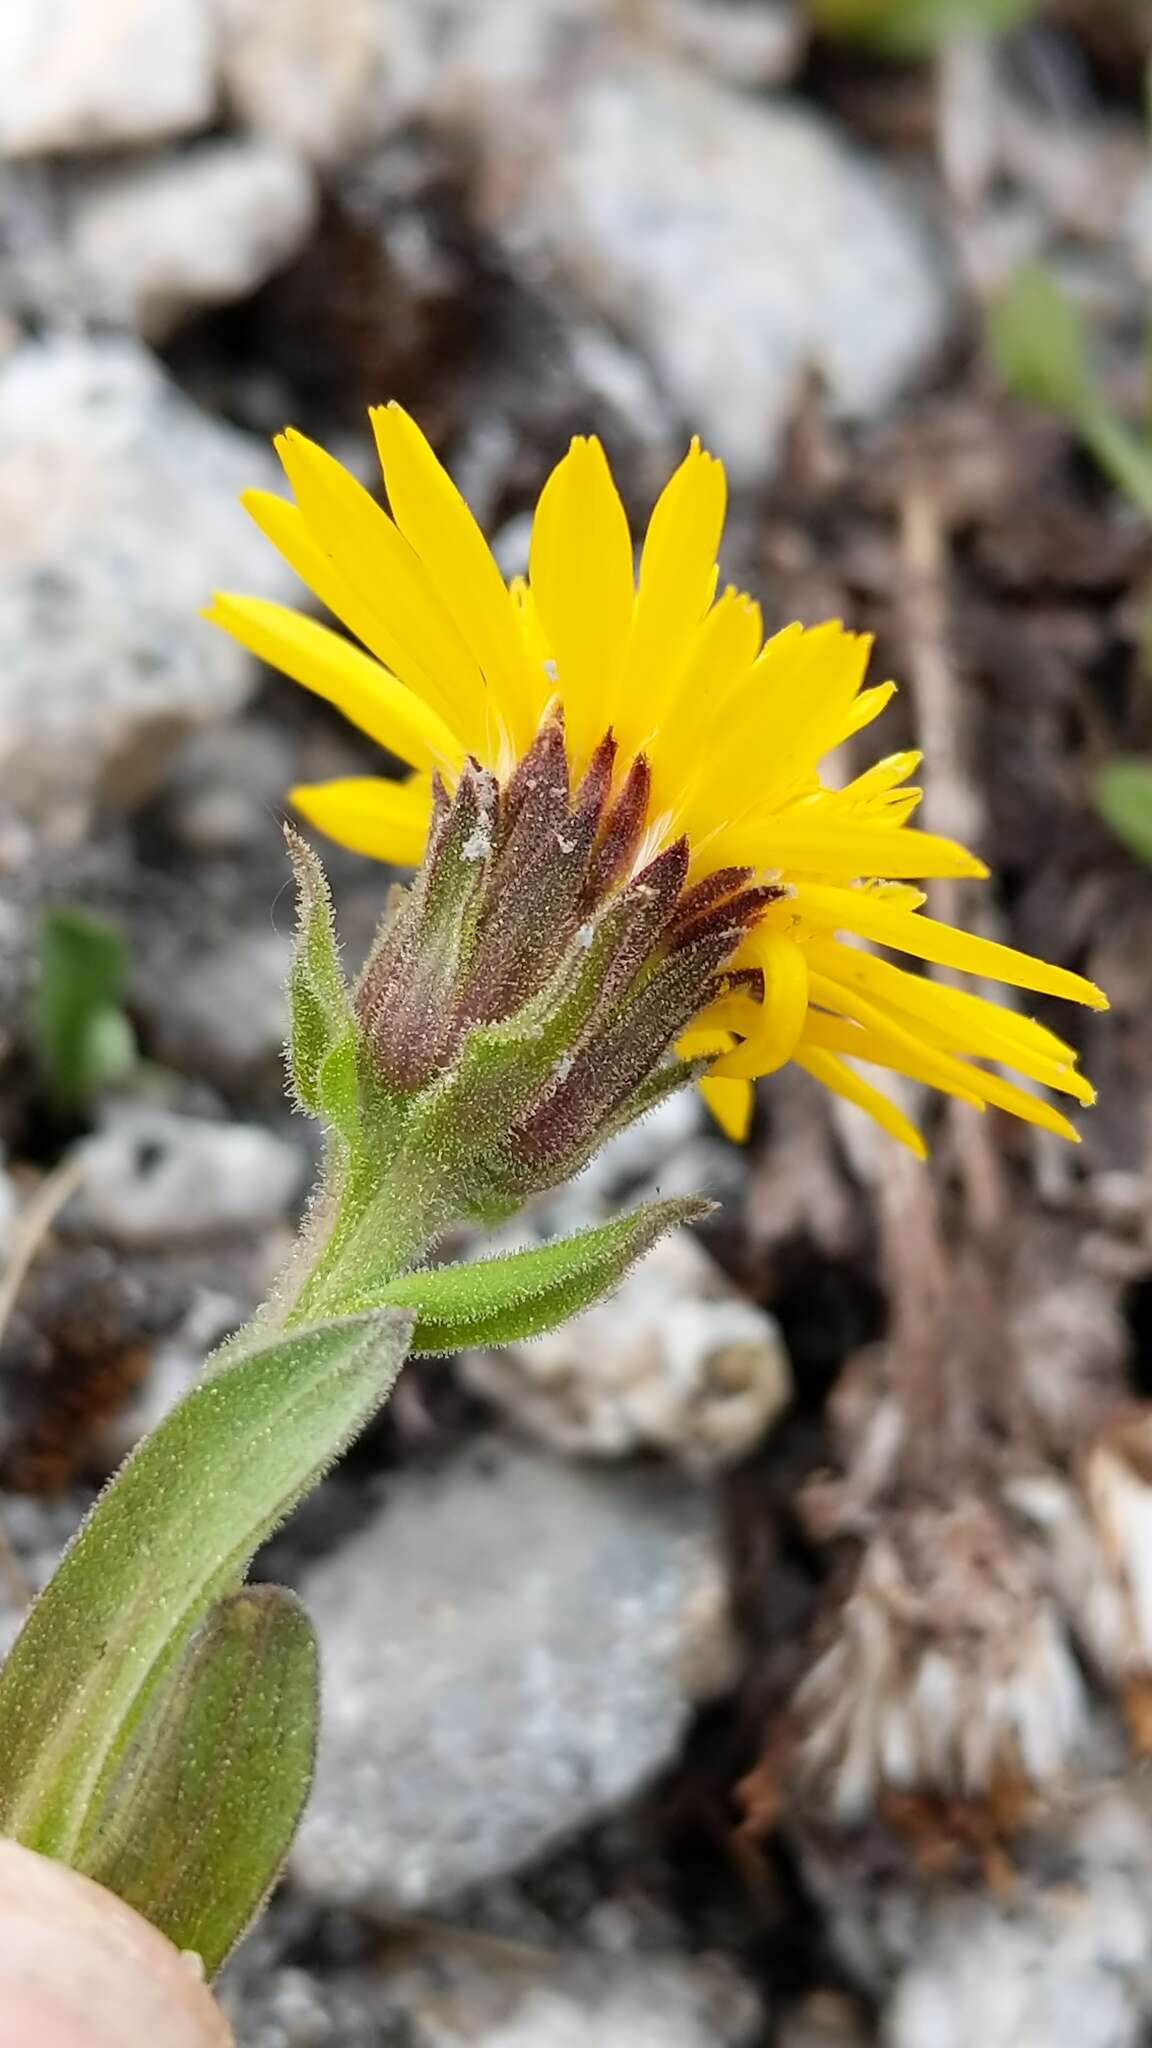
{"points": [[780, 1016], [388, 577], [676, 584], [800, 693], [883, 1043], [864, 912], [717, 661], [877, 781], [434, 519], [358, 686], [806, 842], [983, 1024], [386, 820], [861, 712], [898, 1045], [730, 1102], [284, 525], [580, 574], [834, 1075]]}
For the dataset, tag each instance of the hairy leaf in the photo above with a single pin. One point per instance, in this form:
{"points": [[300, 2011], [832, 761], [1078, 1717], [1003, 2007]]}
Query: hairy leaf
{"points": [[521, 1294], [201, 1812], [320, 1007], [170, 1537]]}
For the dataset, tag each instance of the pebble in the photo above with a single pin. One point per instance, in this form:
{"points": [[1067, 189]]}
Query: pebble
{"points": [[746, 45], [203, 227], [226, 788], [456, 1991], [221, 1013], [96, 74], [736, 243], [9, 1214], [118, 515], [675, 1361], [512, 1649], [323, 79], [153, 1178], [1069, 1965]]}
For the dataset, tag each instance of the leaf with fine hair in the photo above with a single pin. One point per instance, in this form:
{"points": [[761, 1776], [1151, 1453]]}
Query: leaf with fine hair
{"points": [[522, 1294], [319, 1004], [203, 1806], [171, 1536]]}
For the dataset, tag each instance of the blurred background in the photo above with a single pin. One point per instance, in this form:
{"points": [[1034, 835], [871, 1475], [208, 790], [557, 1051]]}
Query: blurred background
{"points": [[767, 1658]]}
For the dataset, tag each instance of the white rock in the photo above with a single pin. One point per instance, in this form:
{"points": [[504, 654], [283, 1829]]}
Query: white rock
{"points": [[454, 1990], [735, 243], [152, 1178], [1047, 1968], [676, 1361], [118, 514], [92, 74], [9, 1213], [324, 76], [200, 228], [223, 1012], [511, 1649], [759, 44]]}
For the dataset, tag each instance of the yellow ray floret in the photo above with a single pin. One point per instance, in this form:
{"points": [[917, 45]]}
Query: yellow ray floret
{"points": [[446, 660]]}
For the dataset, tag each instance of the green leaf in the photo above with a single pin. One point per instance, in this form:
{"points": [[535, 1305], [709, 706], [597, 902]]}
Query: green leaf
{"points": [[85, 1041], [1123, 792], [521, 1294], [319, 1005], [206, 1799], [1037, 342], [913, 27], [171, 1536]]}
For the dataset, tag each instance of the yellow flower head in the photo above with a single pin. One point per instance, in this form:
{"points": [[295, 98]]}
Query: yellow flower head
{"points": [[455, 664]]}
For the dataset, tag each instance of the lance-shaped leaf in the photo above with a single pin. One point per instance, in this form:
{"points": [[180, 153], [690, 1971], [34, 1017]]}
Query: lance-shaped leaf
{"points": [[320, 1006], [205, 1801], [170, 1537], [521, 1294]]}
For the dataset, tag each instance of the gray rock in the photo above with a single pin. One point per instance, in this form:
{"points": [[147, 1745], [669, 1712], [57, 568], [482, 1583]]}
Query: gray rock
{"points": [[152, 1178], [78, 76], [222, 1013], [200, 228], [1044, 1969], [9, 1211], [449, 1992], [752, 45], [227, 785], [324, 79], [118, 514], [736, 243], [512, 1649], [1058, 1961], [676, 1361]]}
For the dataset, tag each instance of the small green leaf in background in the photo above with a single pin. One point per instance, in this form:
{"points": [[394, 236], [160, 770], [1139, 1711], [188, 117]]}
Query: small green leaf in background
{"points": [[170, 1537], [1123, 792], [520, 1294], [1039, 345], [85, 1041], [209, 1792], [909, 28]]}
